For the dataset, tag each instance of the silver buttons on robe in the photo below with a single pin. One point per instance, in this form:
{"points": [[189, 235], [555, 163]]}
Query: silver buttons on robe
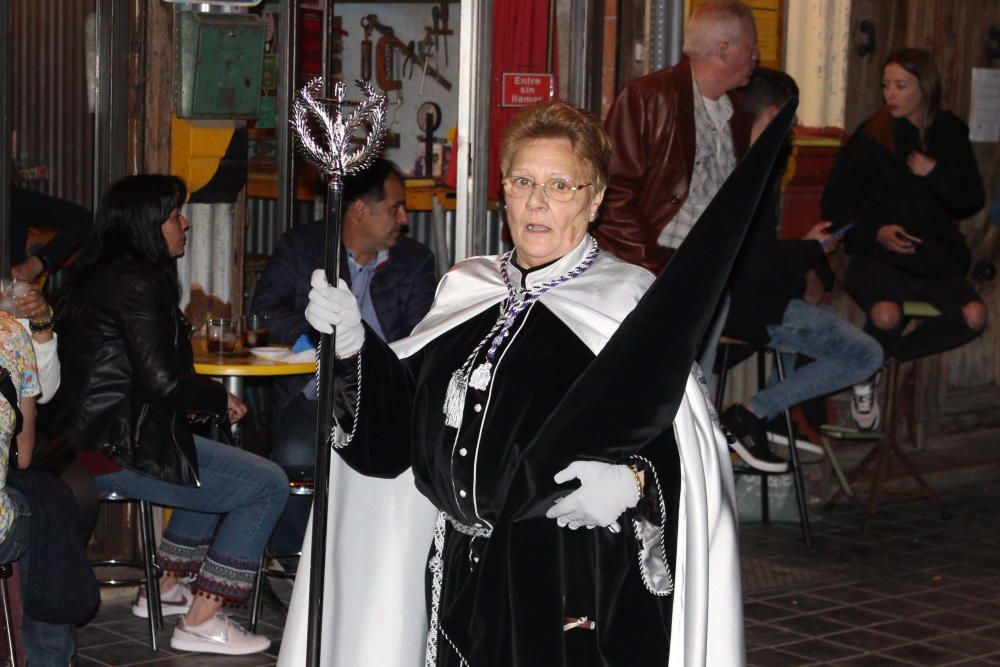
{"points": [[463, 452], [477, 407], [462, 493]]}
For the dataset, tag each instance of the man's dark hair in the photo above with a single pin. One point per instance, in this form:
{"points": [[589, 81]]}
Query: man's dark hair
{"points": [[768, 87], [370, 183]]}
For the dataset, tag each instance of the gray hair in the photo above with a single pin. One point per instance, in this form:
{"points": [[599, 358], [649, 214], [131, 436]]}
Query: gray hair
{"points": [[713, 22]]}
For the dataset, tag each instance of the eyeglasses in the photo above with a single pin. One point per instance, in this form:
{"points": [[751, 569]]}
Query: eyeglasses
{"points": [[519, 187]]}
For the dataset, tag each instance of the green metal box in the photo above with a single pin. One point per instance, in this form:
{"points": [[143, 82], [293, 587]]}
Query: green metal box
{"points": [[220, 58]]}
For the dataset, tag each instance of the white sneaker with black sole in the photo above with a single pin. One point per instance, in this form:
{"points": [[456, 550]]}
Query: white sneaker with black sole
{"points": [[865, 412], [219, 634], [177, 601]]}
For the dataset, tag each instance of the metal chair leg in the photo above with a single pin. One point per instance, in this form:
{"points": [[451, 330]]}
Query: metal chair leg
{"points": [[800, 488], [151, 576], [8, 619], [257, 601]]}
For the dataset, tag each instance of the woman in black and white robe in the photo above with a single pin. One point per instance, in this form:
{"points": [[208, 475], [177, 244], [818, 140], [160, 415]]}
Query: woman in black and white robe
{"points": [[495, 403]]}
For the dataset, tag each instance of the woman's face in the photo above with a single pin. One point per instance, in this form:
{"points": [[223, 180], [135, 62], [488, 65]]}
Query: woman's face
{"points": [[901, 91], [544, 230], [175, 233]]}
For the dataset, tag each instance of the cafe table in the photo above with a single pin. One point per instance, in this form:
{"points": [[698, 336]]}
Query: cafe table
{"points": [[235, 368]]}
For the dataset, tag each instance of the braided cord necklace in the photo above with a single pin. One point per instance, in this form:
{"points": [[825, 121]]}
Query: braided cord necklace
{"points": [[517, 302]]}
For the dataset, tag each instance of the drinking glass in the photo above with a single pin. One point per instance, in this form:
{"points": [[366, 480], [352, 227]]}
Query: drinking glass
{"points": [[255, 330], [220, 336], [9, 289]]}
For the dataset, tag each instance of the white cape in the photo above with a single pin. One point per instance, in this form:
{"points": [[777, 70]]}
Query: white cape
{"points": [[379, 531]]}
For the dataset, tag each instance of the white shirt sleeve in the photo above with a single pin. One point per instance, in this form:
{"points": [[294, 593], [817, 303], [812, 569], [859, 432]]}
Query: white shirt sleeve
{"points": [[48, 364]]}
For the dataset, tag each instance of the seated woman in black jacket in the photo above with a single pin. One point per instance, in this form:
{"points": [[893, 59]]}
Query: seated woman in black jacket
{"points": [[904, 179], [127, 383]]}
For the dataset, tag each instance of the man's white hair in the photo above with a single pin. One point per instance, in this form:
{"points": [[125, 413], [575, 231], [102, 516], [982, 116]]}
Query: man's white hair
{"points": [[714, 22]]}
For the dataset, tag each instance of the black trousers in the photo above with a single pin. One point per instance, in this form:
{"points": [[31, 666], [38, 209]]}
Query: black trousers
{"points": [[871, 282]]}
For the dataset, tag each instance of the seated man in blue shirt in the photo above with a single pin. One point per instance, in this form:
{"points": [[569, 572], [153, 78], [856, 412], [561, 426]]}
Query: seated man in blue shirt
{"points": [[392, 277]]}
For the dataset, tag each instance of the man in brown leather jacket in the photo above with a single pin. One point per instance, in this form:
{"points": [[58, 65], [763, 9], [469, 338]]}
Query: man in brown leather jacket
{"points": [[676, 136]]}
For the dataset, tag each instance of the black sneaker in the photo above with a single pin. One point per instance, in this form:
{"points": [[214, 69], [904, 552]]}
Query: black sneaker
{"points": [[750, 441]]}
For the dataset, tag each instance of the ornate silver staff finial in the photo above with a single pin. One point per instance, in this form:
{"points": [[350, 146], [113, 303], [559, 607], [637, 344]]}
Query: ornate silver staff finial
{"points": [[333, 152]]}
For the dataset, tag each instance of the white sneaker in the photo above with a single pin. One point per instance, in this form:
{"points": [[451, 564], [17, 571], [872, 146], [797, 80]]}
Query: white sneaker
{"points": [[800, 444], [177, 601], [864, 406], [219, 634]]}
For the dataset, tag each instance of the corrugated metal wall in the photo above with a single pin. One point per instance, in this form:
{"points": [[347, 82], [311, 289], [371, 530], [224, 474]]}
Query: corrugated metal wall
{"points": [[54, 126]]}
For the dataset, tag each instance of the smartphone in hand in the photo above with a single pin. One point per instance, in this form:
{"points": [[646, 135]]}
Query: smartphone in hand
{"points": [[837, 235]]}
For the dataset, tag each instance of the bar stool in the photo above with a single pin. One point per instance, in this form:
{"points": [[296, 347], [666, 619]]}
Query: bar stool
{"points": [[261, 589], [886, 447], [795, 467], [6, 571], [149, 572]]}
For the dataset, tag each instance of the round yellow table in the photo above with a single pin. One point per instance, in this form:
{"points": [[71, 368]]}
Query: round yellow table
{"points": [[232, 370]]}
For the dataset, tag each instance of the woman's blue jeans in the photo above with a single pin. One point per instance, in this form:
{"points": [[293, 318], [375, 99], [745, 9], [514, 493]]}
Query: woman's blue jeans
{"points": [[45, 644], [842, 355], [218, 530]]}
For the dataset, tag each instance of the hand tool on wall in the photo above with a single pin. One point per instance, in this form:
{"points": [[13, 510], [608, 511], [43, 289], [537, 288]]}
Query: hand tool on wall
{"points": [[384, 60], [408, 60], [436, 23], [427, 45], [385, 71], [368, 23], [408, 51], [445, 31]]}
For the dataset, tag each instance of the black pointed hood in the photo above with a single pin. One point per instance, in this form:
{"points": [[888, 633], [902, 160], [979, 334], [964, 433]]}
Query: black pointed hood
{"points": [[632, 390]]}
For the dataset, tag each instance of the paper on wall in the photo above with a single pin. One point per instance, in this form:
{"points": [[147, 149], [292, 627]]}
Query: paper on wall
{"points": [[984, 114]]}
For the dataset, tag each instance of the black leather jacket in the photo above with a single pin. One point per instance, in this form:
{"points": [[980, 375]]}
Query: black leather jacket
{"points": [[128, 376]]}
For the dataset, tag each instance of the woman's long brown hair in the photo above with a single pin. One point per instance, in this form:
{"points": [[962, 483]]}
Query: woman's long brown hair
{"points": [[881, 127]]}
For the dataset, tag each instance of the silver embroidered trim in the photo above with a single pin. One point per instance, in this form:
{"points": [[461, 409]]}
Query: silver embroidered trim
{"points": [[332, 438], [706, 391], [436, 567], [643, 565]]}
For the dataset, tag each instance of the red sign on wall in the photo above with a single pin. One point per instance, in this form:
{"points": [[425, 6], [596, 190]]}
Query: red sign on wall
{"points": [[521, 89]]}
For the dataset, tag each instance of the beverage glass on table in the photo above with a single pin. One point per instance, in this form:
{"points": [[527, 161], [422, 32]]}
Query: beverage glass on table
{"points": [[255, 331], [220, 336]]}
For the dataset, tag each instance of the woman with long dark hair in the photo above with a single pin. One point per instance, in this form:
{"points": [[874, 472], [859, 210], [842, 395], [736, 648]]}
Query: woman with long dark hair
{"points": [[128, 384], [905, 179]]}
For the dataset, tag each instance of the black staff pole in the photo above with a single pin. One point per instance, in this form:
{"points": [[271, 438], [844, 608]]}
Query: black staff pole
{"points": [[324, 428]]}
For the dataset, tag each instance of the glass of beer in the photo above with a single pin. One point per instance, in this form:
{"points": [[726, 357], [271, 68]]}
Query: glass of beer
{"points": [[220, 336], [255, 330]]}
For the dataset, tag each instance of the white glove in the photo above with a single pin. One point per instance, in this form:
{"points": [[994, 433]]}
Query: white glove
{"points": [[606, 490], [331, 307]]}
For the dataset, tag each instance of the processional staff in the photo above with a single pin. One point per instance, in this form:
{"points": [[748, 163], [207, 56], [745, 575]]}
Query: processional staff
{"points": [[335, 152]]}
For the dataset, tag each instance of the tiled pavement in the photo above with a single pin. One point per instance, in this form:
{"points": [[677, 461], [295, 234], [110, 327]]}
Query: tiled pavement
{"points": [[915, 590], [118, 638]]}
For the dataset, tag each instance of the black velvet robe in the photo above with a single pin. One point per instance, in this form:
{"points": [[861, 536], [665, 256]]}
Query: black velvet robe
{"points": [[468, 473]]}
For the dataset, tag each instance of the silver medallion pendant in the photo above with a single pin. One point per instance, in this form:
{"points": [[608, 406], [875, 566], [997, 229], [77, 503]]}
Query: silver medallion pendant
{"points": [[480, 378]]}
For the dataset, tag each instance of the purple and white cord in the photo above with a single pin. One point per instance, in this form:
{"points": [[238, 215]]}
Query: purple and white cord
{"points": [[517, 302]]}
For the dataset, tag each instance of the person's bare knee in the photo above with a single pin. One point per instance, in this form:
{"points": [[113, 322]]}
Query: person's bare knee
{"points": [[975, 315], [885, 315]]}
